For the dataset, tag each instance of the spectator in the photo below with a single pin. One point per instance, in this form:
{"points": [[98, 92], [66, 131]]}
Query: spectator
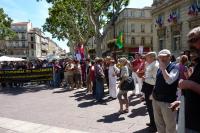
{"points": [[91, 78], [191, 87], [149, 82], [99, 74], [123, 75], [164, 93], [77, 75], [135, 67], [69, 67], [112, 74]]}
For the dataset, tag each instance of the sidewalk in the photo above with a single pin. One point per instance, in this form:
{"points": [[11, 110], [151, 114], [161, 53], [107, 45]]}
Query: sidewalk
{"points": [[17, 126]]}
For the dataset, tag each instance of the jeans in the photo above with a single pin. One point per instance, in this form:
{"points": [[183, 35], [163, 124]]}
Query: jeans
{"points": [[99, 89]]}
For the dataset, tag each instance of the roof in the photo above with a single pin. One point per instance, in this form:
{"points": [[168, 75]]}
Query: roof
{"points": [[20, 23]]}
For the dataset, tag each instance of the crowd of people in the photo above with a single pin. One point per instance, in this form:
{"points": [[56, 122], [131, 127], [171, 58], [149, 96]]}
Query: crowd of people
{"points": [[161, 80]]}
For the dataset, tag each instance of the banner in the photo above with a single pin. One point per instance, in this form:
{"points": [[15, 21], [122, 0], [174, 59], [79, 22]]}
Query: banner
{"points": [[26, 75]]}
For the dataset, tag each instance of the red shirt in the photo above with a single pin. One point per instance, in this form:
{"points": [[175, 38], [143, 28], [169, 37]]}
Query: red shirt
{"points": [[92, 73], [136, 64]]}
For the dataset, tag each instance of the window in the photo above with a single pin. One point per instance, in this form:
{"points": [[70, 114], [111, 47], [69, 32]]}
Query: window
{"points": [[32, 46], [133, 40], [20, 44], [32, 38], [23, 36], [142, 41], [23, 44], [176, 43], [142, 13], [142, 28], [151, 28], [161, 44], [32, 53], [132, 27], [132, 13], [16, 44], [27, 52], [26, 45]]}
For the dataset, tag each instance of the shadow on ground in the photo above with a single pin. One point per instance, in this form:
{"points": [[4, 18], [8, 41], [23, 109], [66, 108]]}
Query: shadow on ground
{"points": [[133, 102], [138, 112], [24, 89], [88, 99], [145, 130], [111, 118]]}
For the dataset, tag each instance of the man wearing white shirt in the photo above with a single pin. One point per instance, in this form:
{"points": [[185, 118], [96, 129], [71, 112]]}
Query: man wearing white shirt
{"points": [[149, 82]]}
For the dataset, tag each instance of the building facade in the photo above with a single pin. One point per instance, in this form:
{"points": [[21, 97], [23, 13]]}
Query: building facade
{"points": [[137, 29], [30, 43], [19, 46], [172, 20], [38, 43]]}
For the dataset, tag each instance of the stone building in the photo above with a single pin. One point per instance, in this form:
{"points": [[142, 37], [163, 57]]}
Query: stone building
{"points": [[172, 20], [19, 46], [136, 26], [38, 44], [30, 43]]}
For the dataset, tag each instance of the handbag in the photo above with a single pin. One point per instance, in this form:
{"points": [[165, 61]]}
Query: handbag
{"points": [[128, 84]]}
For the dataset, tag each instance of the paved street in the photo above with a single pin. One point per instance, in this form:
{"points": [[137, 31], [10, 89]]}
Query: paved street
{"points": [[70, 110]]}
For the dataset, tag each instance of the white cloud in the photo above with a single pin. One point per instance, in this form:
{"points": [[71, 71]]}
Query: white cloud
{"points": [[139, 3], [37, 16]]}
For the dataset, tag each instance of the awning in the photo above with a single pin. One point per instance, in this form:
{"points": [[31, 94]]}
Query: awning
{"points": [[6, 58]]}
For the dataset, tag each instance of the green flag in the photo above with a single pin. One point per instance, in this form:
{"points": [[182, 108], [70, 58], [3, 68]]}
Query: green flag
{"points": [[120, 40]]}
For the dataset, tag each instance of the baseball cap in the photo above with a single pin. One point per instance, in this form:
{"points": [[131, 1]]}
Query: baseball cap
{"points": [[164, 52], [152, 54]]}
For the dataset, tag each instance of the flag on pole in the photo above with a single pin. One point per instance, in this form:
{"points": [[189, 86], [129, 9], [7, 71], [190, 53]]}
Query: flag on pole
{"points": [[120, 40]]}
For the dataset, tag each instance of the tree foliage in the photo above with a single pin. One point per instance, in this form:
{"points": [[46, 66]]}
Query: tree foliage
{"points": [[5, 26], [78, 20]]}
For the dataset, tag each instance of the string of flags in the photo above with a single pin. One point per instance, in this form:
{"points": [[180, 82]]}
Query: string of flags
{"points": [[172, 17], [194, 9], [159, 21]]}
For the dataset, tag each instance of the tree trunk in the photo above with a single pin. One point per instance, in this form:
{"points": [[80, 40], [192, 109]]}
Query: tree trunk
{"points": [[98, 46], [3, 48]]}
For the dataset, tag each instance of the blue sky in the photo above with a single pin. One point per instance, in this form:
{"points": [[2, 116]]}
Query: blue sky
{"points": [[37, 12]]}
